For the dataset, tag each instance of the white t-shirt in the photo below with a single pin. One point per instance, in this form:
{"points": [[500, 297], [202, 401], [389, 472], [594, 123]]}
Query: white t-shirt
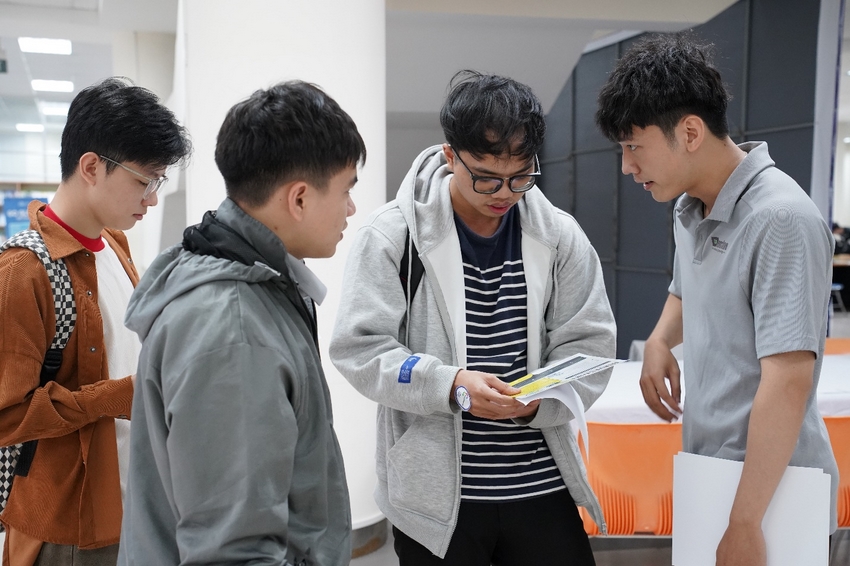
{"points": [[122, 346]]}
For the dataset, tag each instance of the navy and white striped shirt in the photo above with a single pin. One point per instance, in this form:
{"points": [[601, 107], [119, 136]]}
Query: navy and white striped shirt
{"points": [[500, 460]]}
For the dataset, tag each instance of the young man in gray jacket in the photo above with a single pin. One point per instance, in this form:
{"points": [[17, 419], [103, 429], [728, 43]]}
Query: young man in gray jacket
{"points": [[234, 459], [467, 474]]}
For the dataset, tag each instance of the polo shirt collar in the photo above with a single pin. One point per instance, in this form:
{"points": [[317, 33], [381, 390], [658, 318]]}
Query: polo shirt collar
{"points": [[756, 161]]}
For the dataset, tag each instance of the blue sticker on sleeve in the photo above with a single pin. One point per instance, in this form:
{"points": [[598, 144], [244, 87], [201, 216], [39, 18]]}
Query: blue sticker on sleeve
{"points": [[407, 369]]}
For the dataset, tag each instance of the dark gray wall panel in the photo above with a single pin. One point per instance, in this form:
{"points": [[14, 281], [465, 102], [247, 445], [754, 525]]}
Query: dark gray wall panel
{"points": [[590, 75], [792, 152], [640, 298], [727, 32], [596, 199], [557, 184], [559, 125], [783, 52], [645, 228]]}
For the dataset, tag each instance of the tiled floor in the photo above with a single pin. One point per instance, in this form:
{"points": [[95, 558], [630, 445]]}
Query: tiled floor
{"points": [[644, 551]]}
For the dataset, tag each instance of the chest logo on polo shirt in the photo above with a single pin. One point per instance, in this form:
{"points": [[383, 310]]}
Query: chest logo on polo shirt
{"points": [[718, 245]]}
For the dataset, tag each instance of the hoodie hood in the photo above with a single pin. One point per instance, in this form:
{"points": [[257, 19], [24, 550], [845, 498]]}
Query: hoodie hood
{"points": [[424, 193], [229, 245], [425, 201]]}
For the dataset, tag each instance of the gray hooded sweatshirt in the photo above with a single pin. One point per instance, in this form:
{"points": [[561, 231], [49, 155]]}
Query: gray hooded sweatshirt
{"points": [[376, 333], [233, 455]]}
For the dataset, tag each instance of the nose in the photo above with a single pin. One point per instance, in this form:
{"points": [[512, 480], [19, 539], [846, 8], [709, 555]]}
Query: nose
{"points": [[505, 190], [629, 165], [351, 208], [151, 200]]}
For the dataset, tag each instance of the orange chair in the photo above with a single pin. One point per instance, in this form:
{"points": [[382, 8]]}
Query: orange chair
{"points": [[839, 436], [631, 472], [837, 346]]}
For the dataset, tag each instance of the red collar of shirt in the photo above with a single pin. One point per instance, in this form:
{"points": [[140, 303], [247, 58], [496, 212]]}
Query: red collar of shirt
{"points": [[91, 244]]}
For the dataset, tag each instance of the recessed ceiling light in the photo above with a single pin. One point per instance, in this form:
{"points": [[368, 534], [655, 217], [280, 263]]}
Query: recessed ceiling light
{"points": [[54, 108], [34, 128], [846, 140], [52, 86], [45, 45]]}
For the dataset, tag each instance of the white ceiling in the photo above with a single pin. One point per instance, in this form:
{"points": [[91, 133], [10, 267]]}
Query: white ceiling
{"points": [[88, 63], [90, 24]]}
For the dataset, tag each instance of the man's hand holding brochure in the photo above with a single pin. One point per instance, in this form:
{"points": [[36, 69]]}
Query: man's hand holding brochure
{"points": [[563, 371], [548, 382]]}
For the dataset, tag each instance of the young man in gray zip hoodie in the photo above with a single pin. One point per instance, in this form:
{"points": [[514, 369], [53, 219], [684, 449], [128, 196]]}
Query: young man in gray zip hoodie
{"points": [[234, 459], [467, 474]]}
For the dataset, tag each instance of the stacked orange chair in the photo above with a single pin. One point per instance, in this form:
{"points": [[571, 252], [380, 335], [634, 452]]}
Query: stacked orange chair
{"points": [[837, 346], [839, 436], [631, 471]]}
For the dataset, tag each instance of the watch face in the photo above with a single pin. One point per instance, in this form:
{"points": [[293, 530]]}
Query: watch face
{"points": [[464, 401]]}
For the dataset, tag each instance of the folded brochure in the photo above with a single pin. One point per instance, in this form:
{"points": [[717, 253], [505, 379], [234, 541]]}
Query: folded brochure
{"points": [[563, 371]]}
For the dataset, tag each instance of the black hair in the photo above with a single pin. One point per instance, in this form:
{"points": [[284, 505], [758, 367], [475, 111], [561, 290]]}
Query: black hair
{"points": [[123, 122], [659, 81], [290, 131], [492, 115]]}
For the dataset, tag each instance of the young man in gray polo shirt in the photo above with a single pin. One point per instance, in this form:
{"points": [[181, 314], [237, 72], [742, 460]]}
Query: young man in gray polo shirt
{"points": [[750, 284]]}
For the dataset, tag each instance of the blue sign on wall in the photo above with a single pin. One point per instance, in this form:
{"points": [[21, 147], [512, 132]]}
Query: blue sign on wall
{"points": [[15, 210]]}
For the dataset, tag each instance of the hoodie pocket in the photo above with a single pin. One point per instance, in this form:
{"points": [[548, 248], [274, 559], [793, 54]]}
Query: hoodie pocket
{"points": [[422, 467]]}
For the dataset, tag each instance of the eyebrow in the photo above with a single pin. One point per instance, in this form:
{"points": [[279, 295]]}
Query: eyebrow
{"points": [[488, 173]]}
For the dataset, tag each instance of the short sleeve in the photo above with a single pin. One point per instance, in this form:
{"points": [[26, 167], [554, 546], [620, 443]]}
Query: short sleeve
{"points": [[787, 273], [675, 287]]}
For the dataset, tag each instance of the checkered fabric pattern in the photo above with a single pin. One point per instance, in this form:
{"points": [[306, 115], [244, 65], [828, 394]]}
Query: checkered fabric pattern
{"points": [[60, 280], [8, 460], [66, 318]]}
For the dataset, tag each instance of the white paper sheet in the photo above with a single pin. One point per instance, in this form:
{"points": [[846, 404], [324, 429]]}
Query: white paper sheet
{"points": [[569, 397], [796, 525]]}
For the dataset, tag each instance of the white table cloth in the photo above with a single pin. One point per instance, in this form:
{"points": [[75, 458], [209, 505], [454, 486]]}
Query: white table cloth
{"points": [[622, 401]]}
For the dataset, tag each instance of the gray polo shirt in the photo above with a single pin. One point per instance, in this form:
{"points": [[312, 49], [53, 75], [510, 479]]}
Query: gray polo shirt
{"points": [[754, 278]]}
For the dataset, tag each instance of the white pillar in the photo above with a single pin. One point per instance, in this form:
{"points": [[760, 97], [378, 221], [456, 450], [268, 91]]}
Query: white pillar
{"points": [[225, 51], [148, 60]]}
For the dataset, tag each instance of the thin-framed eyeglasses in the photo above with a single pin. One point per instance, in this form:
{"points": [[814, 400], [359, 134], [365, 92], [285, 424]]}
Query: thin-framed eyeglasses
{"points": [[153, 184], [485, 185]]}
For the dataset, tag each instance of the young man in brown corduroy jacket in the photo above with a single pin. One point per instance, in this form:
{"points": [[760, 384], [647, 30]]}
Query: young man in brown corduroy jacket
{"points": [[116, 146]]}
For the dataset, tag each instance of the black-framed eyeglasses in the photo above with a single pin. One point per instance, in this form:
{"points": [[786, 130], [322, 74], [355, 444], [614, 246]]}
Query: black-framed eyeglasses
{"points": [[485, 185], [153, 184]]}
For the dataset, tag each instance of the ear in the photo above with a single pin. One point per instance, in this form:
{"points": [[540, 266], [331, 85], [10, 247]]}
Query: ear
{"points": [[450, 156], [297, 194], [87, 167], [693, 131]]}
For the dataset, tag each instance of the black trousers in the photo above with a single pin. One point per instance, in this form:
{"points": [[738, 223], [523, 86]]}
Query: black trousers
{"points": [[542, 531]]}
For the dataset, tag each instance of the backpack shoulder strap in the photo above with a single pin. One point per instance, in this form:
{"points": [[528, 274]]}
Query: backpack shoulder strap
{"points": [[415, 270], [20, 457], [60, 283]]}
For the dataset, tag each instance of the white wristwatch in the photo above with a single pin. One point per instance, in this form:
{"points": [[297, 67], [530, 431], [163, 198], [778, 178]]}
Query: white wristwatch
{"points": [[464, 401]]}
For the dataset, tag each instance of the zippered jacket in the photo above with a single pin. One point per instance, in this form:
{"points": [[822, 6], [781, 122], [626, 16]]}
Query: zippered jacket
{"points": [[234, 459], [419, 426]]}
